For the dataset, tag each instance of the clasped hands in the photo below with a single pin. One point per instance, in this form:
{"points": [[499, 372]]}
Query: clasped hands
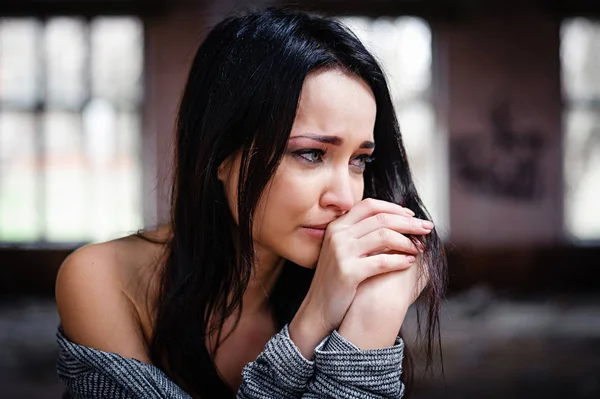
{"points": [[367, 276]]}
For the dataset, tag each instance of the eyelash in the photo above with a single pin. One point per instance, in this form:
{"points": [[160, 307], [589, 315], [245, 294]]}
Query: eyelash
{"points": [[300, 154], [366, 159]]}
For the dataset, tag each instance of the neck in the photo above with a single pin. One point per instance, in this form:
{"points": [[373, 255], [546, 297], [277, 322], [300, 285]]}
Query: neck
{"points": [[264, 276], [265, 272]]}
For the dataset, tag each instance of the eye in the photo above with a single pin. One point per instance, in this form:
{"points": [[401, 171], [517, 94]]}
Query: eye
{"points": [[310, 155], [361, 161]]}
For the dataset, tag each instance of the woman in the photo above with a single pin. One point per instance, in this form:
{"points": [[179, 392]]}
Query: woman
{"points": [[294, 248]]}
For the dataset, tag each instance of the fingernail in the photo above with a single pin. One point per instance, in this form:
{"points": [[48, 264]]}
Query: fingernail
{"points": [[411, 259], [427, 224], [411, 213]]}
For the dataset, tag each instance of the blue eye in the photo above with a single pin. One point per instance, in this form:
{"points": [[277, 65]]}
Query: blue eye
{"points": [[363, 160], [312, 155]]}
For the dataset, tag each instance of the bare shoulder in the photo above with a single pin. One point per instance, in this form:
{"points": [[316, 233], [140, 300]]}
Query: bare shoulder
{"points": [[94, 302]]}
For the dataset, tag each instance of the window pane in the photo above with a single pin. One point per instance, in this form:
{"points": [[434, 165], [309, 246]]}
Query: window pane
{"points": [[128, 172], [100, 134], [403, 48], [117, 59], [18, 174], [582, 174], [112, 146], [580, 56], [65, 62], [418, 119], [65, 178], [19, 62], [70, 147]]}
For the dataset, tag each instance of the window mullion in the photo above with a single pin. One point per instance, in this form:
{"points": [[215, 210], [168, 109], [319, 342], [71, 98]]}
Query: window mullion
{"points": [[87, 81], [40, 136]]}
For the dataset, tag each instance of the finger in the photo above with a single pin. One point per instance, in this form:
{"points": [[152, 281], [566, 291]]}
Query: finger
{"points": [[369, 207], [385, 239], [383, 263], [401, 224]]}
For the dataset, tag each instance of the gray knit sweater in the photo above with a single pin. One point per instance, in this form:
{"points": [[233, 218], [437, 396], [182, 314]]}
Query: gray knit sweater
{"points": [[339, 370]]}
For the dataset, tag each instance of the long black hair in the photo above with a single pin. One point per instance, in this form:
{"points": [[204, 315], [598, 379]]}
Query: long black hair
{"points": [[241, 95]]}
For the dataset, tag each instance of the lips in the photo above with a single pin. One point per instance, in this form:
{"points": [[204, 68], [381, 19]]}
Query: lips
{"points": [[321, 226], [318, 227], [317, 232]]}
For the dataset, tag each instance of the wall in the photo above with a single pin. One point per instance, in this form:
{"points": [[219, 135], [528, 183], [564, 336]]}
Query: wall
{"points": [[171, 42], [499, 100]]}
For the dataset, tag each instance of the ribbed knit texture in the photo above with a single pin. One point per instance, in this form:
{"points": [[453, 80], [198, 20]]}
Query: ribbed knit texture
{"points": [[339, 370]]}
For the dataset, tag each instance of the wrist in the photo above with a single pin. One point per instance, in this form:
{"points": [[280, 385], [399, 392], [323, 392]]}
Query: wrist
{"points": [[306, 332], [374, 326]]}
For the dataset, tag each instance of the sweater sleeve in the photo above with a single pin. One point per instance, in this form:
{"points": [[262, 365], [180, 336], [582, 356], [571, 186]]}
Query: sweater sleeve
{"points": [[92, 374], [340, 370], [279, 372], [344, 371]]}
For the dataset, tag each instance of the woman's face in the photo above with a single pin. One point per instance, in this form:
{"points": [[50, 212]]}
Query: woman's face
{"points": [[320, 176]]}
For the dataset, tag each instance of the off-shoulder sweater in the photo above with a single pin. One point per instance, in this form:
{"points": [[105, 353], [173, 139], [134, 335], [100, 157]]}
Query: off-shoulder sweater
{"points": [[339, 370]]}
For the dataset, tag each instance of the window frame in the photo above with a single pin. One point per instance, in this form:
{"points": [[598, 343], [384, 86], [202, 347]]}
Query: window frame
{"points": [[87, 12], [568, 105]]}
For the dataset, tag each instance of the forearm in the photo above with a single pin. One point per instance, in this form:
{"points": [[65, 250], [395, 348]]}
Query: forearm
{"points": [[306, 332], [372, 329], [376, 314]]}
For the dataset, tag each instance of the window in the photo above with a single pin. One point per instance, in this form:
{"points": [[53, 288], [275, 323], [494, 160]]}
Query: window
{"points": [[580, 57], [70, 122], [403, 48]]}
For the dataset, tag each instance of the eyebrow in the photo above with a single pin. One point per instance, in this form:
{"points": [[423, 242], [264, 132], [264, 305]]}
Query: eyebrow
{"points": [[333, 140]]}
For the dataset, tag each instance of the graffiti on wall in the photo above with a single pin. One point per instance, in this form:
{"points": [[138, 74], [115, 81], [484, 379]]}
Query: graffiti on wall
{"points": [[505, 164]]}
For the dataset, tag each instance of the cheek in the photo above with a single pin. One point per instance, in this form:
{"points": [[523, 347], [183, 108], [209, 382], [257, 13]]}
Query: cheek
{"points": [[229, 181], [289, 201], [358, 189], [285, 203], [230, 188]]}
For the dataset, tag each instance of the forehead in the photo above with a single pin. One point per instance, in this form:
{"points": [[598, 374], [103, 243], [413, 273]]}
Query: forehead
{"points": [[337, 103]]}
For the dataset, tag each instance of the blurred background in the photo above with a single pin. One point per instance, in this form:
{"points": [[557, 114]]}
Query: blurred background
{"points": [[499, 105]]}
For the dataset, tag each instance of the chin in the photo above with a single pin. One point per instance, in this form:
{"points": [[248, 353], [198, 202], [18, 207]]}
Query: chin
{"points": [[305, 257], [312, 265], [299, 249]]}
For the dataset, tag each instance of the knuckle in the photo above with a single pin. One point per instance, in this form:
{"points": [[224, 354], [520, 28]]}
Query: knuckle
{"points": [[409, 245], [416, 223], [383, 262], [370, 203], [385, 235], [382, 218]]}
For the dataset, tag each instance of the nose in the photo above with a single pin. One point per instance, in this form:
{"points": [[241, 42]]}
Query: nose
{"points": [[338, 192]]}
